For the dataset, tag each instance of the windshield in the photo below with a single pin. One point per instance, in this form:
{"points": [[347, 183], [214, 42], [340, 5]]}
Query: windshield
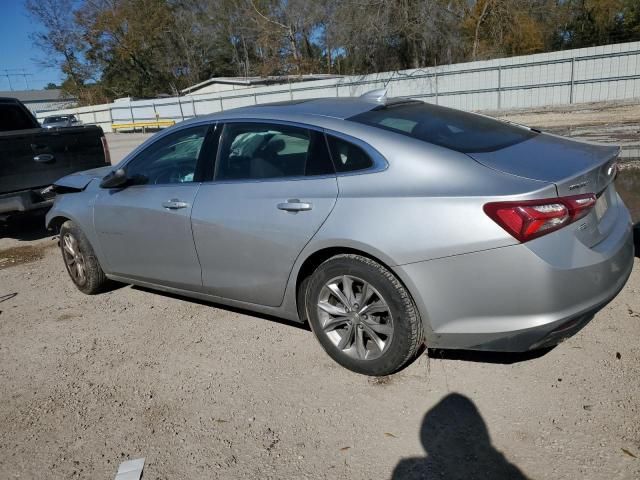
{"points": [[446, 127]]}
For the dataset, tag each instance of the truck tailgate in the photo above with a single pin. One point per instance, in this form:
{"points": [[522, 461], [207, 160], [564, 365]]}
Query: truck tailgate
{"points": [[60, 151]]}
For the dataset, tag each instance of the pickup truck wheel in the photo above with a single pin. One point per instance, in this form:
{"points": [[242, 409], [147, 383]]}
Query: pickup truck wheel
{"points": [[80, 260], [363, 316]]}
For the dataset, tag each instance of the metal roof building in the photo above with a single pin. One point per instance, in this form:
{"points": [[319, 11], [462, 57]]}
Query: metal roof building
{"points": [[224, 84], [42, 100]]}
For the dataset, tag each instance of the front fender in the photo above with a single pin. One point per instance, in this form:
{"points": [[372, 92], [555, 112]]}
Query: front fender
{"points": [[77, 207]]}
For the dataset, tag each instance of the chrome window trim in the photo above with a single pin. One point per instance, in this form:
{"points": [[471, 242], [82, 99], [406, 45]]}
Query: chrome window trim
{"points": [[159, 136], [379, 162], [274, 179]]}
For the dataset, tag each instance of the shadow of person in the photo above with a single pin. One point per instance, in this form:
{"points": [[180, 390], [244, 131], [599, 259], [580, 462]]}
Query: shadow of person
{"points": [[458, 446]]}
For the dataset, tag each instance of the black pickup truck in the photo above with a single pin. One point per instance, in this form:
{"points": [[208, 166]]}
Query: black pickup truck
{"points": [[32, 157]]}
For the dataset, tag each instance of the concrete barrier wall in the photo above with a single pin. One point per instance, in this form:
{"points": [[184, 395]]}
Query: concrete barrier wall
{"points": [[606, 73]]}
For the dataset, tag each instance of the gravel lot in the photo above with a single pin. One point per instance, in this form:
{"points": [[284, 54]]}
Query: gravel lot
{"points": [[203, 391]]}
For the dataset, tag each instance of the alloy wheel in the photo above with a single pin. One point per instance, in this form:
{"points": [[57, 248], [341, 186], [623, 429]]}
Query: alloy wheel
{"points": [[74, 259], [355, 317]]}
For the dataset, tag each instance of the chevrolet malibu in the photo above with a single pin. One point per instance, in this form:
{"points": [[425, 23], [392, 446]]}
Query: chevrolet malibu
{"points": [[386, 224]]}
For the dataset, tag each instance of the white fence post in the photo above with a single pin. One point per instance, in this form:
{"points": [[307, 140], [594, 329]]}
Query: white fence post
{"points": [[573, 67], [435, 73], [180, 107], [499, 87]]}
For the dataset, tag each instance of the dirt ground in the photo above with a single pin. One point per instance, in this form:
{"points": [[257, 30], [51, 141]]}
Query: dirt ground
{"points": [[203, 391]]}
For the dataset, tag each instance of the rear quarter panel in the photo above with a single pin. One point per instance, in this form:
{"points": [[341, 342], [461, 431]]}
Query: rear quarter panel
{"points": [[427, 204]]}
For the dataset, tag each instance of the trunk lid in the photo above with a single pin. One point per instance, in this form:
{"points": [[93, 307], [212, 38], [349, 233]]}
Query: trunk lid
{"points": [[574, 167]]}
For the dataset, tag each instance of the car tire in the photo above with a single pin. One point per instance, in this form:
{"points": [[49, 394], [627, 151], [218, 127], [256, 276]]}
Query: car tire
{"points": [[362, 315], [80, 260]]}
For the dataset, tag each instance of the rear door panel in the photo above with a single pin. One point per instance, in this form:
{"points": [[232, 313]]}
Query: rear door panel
{"points": [[246, 245]]}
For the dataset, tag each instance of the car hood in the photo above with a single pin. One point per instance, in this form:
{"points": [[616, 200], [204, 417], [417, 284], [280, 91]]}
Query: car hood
{"points": [[575, 167], [79, 180]]}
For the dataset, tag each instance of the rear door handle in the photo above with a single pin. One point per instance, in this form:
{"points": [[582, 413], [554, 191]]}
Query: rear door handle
{"points": [[295, 205], [174, 204], [44, 158]]}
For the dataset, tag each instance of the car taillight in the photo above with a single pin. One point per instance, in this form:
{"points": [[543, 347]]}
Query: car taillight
{"points": [[530, 219], [105, 148]]}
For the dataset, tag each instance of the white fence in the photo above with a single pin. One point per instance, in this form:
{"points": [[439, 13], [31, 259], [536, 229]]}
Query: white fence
{"points": [[606, 73]]}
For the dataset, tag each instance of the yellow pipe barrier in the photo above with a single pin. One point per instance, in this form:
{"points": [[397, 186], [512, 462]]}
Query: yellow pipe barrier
{"points": [[142, 125]]}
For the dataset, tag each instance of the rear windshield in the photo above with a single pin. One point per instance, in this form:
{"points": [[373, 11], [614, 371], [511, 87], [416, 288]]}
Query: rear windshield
{"points": [[446, 127], [14, 117], [55, 119]]}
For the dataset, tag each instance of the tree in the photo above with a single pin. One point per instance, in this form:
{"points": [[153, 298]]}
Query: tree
{"points": [[51, 86], [141, 48], [495, 28], [61, 41]]}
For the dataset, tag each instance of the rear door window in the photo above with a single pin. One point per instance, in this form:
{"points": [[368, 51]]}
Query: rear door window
{"points": [[258, 151], [446, 127]]}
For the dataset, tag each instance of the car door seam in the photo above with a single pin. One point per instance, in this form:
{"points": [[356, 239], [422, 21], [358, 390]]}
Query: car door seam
{"points": [[193, 238], [335, 202]]}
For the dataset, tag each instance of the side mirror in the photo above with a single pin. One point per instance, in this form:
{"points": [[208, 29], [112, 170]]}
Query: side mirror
{"points": [[116, 178]]}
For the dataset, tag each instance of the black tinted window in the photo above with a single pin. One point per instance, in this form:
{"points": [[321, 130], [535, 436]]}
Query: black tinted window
{"points": [[13, 117], [172, 159], [260, 151], [348, 157], [55, 119], [454, 129]]}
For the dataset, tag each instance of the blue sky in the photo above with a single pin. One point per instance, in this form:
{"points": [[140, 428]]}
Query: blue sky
{"points": [[17, 50]]}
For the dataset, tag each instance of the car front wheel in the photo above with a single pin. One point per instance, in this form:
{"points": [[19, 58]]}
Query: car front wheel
{"points": [[80, 260], [362, 315]]}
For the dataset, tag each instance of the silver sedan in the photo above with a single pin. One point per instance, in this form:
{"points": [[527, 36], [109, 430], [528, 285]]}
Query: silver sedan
{"points": [[59, 121], [386, 224]]}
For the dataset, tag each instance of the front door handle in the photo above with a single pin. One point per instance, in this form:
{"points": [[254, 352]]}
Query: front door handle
{"points": [[295, 205], [174, 204], [44, 158]]}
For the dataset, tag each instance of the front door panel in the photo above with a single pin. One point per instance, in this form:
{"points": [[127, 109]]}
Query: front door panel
{"points": [[145, 233]]}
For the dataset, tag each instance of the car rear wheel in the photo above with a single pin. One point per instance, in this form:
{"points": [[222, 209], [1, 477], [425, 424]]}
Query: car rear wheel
{"points": [[362, 315], [80, 260]]}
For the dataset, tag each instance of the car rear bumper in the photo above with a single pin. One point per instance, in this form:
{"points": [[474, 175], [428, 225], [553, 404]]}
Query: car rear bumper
{"points": [[520, 297], [24, 201]]}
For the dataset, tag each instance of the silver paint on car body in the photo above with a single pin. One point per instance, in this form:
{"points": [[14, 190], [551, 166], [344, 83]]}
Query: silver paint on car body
{"points": [[246, 243], [143, 239], [418, 211]]}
